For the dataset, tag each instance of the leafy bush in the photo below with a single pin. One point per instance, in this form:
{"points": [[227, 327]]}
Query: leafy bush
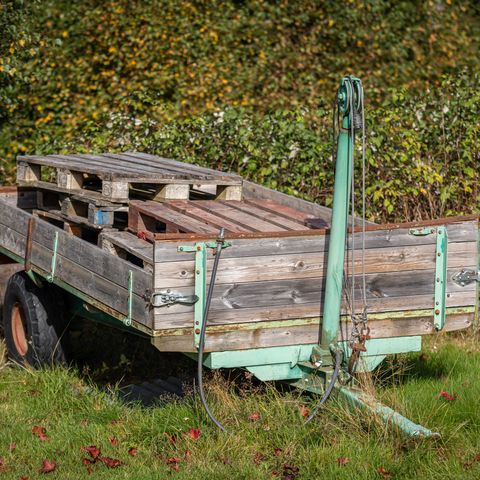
{"points": [[246, 85]]}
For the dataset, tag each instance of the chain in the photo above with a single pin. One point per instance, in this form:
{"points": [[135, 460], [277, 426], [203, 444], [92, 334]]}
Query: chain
{"points": [[360, 331]]}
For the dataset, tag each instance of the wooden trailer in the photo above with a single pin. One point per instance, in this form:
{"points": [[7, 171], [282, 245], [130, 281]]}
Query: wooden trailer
{"points": [[115, 230], [129, 240]]}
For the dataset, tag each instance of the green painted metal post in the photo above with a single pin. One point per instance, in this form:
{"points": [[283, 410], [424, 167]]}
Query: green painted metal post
{"points": [[338, 230]]}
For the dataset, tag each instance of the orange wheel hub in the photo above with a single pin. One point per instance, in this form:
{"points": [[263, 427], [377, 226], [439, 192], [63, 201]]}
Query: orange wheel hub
{"points": [[18, 329]]}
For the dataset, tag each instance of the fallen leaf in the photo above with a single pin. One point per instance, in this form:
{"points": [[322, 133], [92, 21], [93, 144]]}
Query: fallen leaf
{"points": [[447, 396], [304, 411], [34, 393], [3, 467], [173, 463], [187, 454], [114, 441], [469, 464], [23, 477], [194, 433], [40, 432], [254, 417], [87, 461], [274, 473], [93, 451], [383, 473], [277, 451], [343, 460], [83, 423], [132, 451], [110, 462], [48, 466], [12, 446], [290, 472], [171, 438], [258, 458]]}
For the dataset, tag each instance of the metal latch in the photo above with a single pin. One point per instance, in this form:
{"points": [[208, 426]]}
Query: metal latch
{"points": [[164, 298], [465, 277]]}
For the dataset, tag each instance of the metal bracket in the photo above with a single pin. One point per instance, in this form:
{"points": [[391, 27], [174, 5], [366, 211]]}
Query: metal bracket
{"points": [[165, 298], [51, 276], [441, 256], [465, 277], [421, 231], [200, 250], [128, 319]]}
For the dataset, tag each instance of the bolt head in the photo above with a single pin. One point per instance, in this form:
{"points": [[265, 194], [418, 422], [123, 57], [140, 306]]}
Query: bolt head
{"points": [[437, 311]]}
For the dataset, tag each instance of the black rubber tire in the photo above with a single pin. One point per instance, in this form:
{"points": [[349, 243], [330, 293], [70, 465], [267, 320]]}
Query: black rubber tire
{"points": [[43, 320]]}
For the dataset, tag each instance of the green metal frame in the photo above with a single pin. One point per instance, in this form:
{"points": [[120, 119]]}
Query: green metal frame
{"points": [[201, 254]]}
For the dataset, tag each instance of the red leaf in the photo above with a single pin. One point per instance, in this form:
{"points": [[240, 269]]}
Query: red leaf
{"points": [[383, 473], [277, 451], [343, 460], [111, 462], [114, 441], [87, 461], [290, 472], [274, 473], [48, 466], [132, 451], [12, 446], [171, 438], [447, 396], [188, 454], [194, 433], [23, 477], [40, 432], [93, 451], [304, 411], [258, 458], [254, 417], [173, 462]]}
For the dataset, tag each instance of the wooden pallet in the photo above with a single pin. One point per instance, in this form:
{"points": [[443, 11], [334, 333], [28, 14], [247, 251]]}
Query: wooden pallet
{"points": [[177, 218], [112, 176]]}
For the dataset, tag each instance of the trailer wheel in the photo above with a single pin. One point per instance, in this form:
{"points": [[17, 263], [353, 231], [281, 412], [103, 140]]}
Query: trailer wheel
{"points": [[33, 322]]}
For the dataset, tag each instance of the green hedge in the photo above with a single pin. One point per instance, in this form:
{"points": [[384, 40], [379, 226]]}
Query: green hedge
{"points": [[246, 86], [423, 153]]}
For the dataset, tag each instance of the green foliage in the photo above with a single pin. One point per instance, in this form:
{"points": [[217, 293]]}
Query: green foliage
{"points": [[246, 86]]}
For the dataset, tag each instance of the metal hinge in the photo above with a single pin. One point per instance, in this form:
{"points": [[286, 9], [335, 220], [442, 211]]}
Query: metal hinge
{"points": [[164, 298], [465, 277]]}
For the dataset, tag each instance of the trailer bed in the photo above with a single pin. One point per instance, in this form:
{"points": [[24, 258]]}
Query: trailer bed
{"points": [[270, 282]]}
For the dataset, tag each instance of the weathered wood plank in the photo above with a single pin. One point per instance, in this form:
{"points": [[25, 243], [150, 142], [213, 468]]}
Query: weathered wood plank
{"points": [[285, 210], [280, 221], [253, 315], [221, 339], [294, 293], [254, 191], [190, 209], [130, 243], [143, 217], [467, 231], [182, 165], [312, 265], [222, 209]]}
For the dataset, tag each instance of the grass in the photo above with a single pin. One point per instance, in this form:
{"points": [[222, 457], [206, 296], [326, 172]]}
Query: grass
{"points": [[78, 412]]}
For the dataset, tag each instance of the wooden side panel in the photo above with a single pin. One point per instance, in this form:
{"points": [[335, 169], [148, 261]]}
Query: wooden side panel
{"points": [[82, 265], [273, 279]]}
